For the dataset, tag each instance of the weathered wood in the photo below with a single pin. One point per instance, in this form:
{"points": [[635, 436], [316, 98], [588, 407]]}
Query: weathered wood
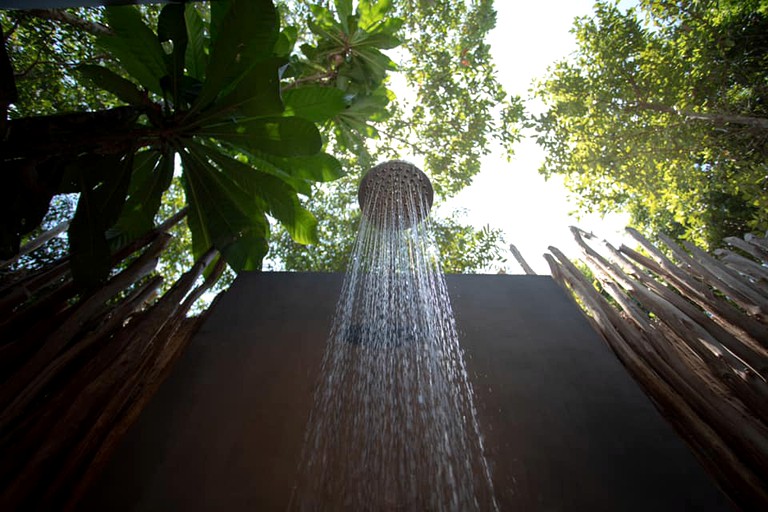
{"points": [[743, 483], [521, 261], [104, 395], [91, 306], [686, 332], [18, 292], [703, 272], [674, 319], [730, 283], [759, 242], [157, 369], [26, 330], [746, 267], [725, 313], [754, 250], [130, 374], [115, 319], [754, 356], [706, 346], [36, 243]]}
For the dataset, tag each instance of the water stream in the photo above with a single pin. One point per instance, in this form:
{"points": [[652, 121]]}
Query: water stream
{"points": [[394, 426]]}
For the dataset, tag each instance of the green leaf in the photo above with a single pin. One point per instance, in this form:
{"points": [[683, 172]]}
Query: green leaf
{"points": [[314, 103], [382, 41], [372, 12], [105, 79], [219, 11], [280, 136], [344, 11], [196, 59], [256, 95], [247, 253], [304, 228], [272, 193], [265, 163], [97, 209], [152, 175], [171, 26], [286, 41], [247, 35], [221, 213], [135, 46], [317, 168]]}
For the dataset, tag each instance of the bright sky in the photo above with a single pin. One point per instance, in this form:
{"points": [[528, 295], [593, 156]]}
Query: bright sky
{"points": [[512, 196]]}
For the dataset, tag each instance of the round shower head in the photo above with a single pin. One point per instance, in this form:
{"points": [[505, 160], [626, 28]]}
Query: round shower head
{"points": [[395, 192]]}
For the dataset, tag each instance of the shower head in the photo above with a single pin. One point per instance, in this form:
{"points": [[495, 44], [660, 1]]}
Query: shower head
{"points": [[395, 192]]}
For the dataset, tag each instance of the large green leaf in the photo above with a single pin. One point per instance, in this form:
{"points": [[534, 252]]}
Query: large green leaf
{"points": [[263, 162], [221, 214], [344, 11], [256, 95], [286, 41], [314, 103], [372, 12], [135, 46], [269, 191], [316, 168], [172, 27], [196, 57], [246, 36], [280, 136], [105, 79], [382, 41], [152, 175], [97, 209], [219, 11], [248, 252]]}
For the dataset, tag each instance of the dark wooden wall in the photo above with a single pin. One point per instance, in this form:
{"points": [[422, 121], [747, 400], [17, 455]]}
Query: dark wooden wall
{"points": [[566, 428]]}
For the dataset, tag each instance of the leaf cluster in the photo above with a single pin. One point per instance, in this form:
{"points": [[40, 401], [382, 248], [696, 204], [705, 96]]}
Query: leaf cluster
{"points": [[202, 88]]}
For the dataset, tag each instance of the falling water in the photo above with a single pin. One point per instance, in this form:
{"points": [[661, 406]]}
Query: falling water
{"points": [[393, 426]]}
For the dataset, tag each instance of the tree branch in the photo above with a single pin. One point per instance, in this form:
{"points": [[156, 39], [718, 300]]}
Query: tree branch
{"points": [[8, 93], [16, 24], [754, 122], [63, 16], [316, 78]]}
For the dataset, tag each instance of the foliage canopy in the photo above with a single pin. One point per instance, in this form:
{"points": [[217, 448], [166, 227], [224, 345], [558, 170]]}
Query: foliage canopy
{"points": [[663, 111], [250, 111]]}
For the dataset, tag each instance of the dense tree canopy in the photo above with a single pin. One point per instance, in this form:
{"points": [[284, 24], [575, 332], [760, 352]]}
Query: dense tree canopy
{"points": [[458, 108], [664, 111], [247, 98]]}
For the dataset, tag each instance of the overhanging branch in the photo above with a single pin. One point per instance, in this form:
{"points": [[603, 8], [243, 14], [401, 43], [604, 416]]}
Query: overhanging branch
{"points": [[65, 17]]}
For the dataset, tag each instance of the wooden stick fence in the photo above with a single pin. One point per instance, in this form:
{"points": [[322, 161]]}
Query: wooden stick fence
{"points": [[78, 368], [694, 334]]}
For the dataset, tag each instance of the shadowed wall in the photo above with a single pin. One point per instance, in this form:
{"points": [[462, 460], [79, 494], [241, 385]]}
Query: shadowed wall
{"points": [[565, 426]]}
